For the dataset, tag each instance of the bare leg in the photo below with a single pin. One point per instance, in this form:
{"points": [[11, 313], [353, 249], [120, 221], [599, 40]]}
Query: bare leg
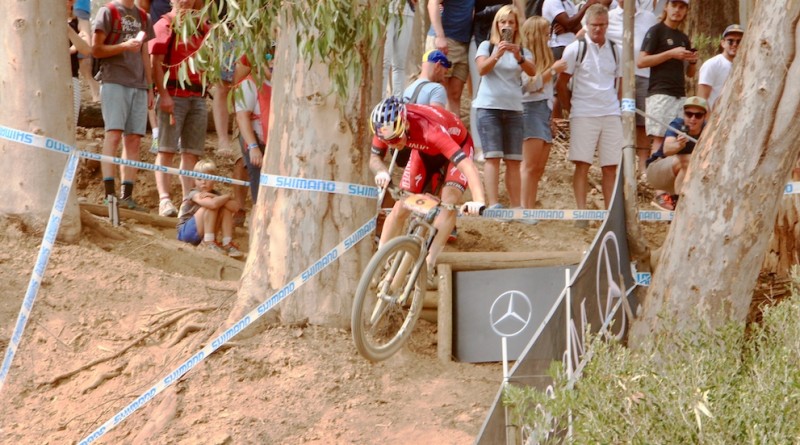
{"points": [[513, 182], [110, 145], [164, 180], [454, 87], [535, 154], [444, 223], [188, 161], [491, 179], [394, 223], [130, 151], [222, 115], [642, 148], [240, 191], [580, 183], [609, 173]]}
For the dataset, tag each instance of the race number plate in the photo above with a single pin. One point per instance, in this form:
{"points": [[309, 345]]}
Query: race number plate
{"points": [[420, 203]]}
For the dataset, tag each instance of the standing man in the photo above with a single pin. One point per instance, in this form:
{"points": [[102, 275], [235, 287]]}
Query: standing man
{"points": [[182, 112], [716, 70], [595, 122], [643, 20], [668, 52], [451, 29], [126, 92]]}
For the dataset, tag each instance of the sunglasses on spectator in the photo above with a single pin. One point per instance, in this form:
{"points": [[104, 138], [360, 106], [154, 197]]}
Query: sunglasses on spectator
{"points": [[733, 41], [695, 114]]}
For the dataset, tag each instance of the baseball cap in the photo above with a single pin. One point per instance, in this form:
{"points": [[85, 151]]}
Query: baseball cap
{"points": [[682, 1], [696, 101], [733, 29], [436, 56]]}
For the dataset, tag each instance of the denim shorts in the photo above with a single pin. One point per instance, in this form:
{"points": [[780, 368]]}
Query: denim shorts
{"points": [[187, 232], [191, 120], [501, 133], [536, 117], [124, 108]]}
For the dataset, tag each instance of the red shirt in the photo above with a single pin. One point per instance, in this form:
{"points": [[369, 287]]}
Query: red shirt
{"points": [[180, 52], [432, 131]]}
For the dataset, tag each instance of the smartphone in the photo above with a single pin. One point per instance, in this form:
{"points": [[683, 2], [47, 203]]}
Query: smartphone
{"points": [[506, 34], [140, 36], [694, 50]]}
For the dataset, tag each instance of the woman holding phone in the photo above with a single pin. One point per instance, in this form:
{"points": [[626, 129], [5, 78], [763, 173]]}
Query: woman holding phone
{"points": [[501, 61]]}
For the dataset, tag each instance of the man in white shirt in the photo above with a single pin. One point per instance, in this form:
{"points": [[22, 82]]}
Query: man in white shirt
{"points": [[715, 70], [595, 122], [643, 20]]}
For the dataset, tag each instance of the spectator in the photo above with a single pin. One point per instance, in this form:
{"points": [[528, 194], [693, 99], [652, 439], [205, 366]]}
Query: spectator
{"points": [[451, 25], [437, 140], [252, 116], [715, 70], [79, 45], [428, 89], [669, 54], [398, 39], [156, 9], [83, 11], [182, 113], [481, 29], [595, 122], [127, 88], [501, 61], [208, 212], [565, 19], [221, 90], [537, 100], [643, 20], [666, 168]]}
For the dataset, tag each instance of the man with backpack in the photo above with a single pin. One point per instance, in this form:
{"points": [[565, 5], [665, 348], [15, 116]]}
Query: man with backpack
{"points": [[593, 64], [182, 112], [121, 32]]}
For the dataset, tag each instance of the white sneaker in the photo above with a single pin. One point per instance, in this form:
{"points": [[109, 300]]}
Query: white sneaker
{"points": [[167, 209]]}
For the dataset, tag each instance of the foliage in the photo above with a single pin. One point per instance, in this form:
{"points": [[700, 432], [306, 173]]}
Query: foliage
{"points": [[719, 386], [341, 34], [707, 46]]}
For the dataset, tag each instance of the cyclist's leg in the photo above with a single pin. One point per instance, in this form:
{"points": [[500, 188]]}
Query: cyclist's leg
{"points": [[445, 221], [413, 181], [394, 223]]}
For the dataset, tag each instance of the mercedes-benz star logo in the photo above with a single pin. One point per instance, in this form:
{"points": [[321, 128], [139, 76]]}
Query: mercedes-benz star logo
{"points": [[510, 313]]}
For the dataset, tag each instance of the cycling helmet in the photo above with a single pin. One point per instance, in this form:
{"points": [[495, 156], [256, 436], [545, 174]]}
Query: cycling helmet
{"points": [[388, 120]]}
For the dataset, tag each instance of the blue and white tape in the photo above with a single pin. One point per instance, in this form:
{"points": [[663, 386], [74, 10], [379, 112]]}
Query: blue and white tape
{"points": [[287, 182], [643, 278], [628, 105], [231, 332], [319, 185], [49, 239], [568, 214]]}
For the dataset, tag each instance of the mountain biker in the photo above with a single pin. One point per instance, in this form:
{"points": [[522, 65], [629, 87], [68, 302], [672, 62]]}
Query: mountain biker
{"points": [[441, 146]]}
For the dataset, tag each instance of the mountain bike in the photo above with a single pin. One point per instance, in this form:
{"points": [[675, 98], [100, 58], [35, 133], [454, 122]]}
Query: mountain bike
{"points": [[389, 295]]}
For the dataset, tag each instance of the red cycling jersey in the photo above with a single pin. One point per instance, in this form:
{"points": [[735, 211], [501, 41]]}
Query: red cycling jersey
{"points": [[435, 137], [431, 131]]}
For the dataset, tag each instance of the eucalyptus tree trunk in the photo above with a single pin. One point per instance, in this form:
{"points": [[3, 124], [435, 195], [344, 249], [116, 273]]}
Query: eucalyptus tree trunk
{"points": [[310, 137], [35, 88], [734, 185], [710, 17]]}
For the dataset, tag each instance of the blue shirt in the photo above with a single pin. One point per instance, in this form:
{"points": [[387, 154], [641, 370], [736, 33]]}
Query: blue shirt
{"points": [[456, 20]]}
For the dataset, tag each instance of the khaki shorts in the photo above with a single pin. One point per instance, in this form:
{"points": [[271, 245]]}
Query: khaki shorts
{"points": [[457, 54], [661, 175], [664, 108], [603, 134]]}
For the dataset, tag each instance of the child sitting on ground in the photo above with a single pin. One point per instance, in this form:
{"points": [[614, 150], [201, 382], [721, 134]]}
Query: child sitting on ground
{"points": [[209, 212]]}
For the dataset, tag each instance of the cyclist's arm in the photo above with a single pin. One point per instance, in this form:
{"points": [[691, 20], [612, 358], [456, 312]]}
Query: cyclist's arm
{"points": [[467, 167], [376, 164]]}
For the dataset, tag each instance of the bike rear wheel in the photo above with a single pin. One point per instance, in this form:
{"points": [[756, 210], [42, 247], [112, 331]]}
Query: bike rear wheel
{"points": [[387, 304]]}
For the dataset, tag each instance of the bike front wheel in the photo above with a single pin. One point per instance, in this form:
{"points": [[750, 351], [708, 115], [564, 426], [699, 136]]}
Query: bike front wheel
{"points": [[387, 303]]}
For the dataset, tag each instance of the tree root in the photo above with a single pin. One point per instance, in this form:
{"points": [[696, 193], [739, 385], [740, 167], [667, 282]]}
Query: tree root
{"points": [[133, 343], [191, 327], [108, 375]]}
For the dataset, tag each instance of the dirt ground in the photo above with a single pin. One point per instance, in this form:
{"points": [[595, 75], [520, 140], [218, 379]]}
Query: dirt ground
{"points": [[147, 294]]}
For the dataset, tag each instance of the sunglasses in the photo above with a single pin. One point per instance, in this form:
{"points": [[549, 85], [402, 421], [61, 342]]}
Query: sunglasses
{"points": [[695, 114], [733, 41]]}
